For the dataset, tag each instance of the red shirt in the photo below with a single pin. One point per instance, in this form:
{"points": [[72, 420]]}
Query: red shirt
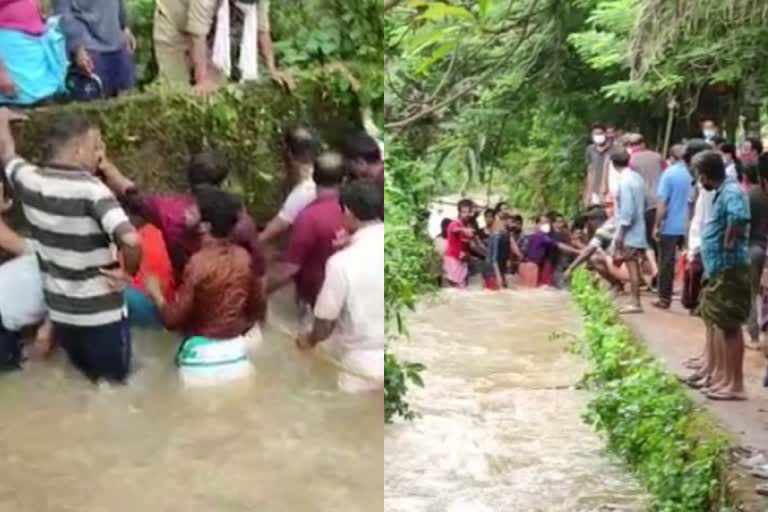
{"points": [[154, 261], [456, 239], [311, 244], [167, 211]]}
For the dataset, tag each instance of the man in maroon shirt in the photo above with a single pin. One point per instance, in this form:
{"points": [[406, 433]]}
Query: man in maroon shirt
{"points": [[176, 216], [313, 234]]}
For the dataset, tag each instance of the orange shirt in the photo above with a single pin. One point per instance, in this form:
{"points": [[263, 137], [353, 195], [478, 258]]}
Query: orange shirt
{"points": [[155, 261]]}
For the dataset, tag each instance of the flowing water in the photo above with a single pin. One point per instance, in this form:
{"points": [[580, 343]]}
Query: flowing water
{"points": [[500, 426], [285, 441]]}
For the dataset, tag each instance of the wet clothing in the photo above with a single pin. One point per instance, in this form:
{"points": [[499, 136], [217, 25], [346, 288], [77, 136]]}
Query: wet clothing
{"points": [[630, 209], [10, 348], [21, 274], [167, 211], [353, 296], [456, 239], [455, 270], [725, 298], [74, 219], [218, 296], [539, 247], [99, 352], [498, 254], [312, 243], [154, 261], [730, 207], [204, 361]]}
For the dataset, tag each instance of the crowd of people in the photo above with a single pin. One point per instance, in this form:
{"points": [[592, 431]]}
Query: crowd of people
{"points": [[698, 217], [85, 49], [96, 254]]}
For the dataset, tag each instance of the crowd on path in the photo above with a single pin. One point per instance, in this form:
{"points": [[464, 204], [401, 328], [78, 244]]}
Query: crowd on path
{"points": [[698, 218], [85, 49], [97, 253]]}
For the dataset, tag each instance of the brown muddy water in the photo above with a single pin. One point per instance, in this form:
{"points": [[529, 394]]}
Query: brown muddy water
{"points": [[285, 441], [500, 426]]}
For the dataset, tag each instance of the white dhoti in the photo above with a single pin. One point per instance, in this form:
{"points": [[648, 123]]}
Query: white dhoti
{"points": [[203, 361]]}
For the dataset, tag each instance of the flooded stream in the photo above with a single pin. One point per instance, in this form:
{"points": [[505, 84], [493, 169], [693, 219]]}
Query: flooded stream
{"points": [[501, 426], [286, 441]]}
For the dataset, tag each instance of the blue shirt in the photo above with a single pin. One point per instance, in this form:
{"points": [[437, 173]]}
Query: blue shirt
{"points": [[630, 209], [498, 253], [675, 189], [730, 207]]}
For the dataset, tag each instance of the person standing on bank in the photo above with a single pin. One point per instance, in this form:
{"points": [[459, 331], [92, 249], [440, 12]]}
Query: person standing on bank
{"points": [[595, 157], [100, 41], [726, 296], [649, 165], [671, 223], [181, 29], [631, 240], [758, 244], [76, 222]]}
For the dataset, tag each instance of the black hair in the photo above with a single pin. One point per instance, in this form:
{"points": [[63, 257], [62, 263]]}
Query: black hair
{"points": [[748, 169], [63, 129], [598, 126], [710, 164], [302, 145], [518, 218], [718, 141], [465, 203], [620, 158], [757, 144], [730, 149], [444, 227], [489, 211], [218, 208], [329, 170], [762, 166], [580, 222], [363, 198], [694, 147], [360, 145], [207, 168], [500, 205], [133, 205]]}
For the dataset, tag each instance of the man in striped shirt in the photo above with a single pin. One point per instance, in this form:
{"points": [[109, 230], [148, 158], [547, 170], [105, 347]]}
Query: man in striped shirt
{"points": [[76, 222]]}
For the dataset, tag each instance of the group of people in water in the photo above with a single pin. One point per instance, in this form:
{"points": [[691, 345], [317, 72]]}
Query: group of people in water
{"points": [[96, 254], [698, 217], [85, 49]]}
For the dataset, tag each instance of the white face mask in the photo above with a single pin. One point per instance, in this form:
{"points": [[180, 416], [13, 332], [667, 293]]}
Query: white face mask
{"points": [[598, 139], [709, 134], [546, 228]]}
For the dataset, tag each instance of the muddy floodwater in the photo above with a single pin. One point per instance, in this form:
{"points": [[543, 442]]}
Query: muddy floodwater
{"points": [[285, 441], [500, 426]]}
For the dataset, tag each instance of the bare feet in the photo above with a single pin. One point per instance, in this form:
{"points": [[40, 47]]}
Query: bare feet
{"points": [[730, 395]]}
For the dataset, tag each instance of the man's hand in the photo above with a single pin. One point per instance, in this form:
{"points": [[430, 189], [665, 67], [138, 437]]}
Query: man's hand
{"points": [[283, 79], [117, 279], [8, 116], [7, 87], [84, 61], [303, 342], [154, 288], [656, 235], [6, 203], [342, 239], [130, 41]]}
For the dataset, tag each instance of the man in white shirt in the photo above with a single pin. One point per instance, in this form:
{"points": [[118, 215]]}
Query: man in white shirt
{"points": [[351, 302], [301, 148]]}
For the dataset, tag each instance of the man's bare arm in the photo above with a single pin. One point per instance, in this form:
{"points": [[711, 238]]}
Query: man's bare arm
{"points": [[281, 276]]}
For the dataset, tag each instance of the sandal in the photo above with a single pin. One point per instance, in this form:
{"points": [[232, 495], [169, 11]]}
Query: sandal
{"points": [[726, 396], [630, 310], [661, 304]]}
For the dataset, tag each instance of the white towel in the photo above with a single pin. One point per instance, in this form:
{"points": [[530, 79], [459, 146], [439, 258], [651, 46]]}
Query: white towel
{"points": [[222, 54], [249, 45]]}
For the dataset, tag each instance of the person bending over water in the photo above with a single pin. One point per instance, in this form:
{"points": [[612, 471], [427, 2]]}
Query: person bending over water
{"points": [[76, 222], [351, 302], [219, 299]]}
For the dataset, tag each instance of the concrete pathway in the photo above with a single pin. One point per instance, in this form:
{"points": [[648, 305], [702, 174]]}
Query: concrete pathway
{"points": [[674, 336]]}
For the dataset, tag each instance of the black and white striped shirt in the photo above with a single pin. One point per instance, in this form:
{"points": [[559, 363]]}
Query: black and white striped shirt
{"points": [[74, 220]]}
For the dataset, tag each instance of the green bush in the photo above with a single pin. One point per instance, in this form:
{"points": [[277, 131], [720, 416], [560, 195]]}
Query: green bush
{"points": [[151, 135], [646, 415]]}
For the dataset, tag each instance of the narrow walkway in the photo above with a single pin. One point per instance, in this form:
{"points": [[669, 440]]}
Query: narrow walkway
{"points": [[674, 336]]}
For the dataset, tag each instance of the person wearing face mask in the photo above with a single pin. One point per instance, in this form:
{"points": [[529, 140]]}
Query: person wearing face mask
{"points": [[78, 227], [595, 158], [726, 297], [709, 130]]}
